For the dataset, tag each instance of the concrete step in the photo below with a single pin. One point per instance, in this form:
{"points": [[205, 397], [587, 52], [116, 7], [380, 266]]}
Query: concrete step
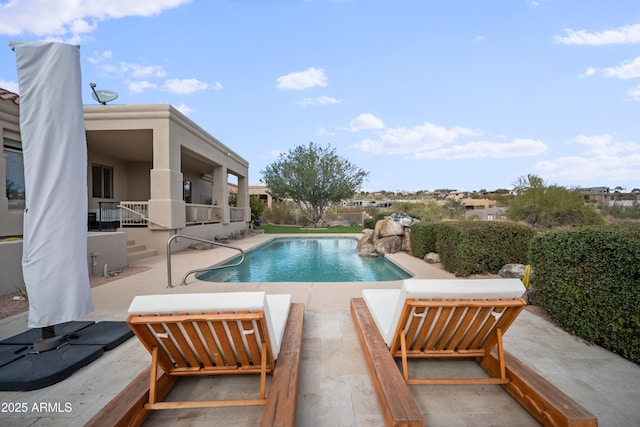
{"points": [[137, 252], [138, 255], [135, 248]]}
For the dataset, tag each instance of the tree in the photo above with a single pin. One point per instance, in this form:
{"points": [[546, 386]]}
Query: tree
{"points": [[257, 207], [547, 206], [314, 177]]}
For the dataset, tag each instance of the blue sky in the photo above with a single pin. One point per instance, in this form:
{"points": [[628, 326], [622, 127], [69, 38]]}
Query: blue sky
{"points": [[424, 95]]}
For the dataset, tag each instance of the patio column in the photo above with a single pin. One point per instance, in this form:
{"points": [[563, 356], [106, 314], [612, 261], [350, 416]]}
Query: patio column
{"points": [[221, 192], [166, 205], [243, 197]]}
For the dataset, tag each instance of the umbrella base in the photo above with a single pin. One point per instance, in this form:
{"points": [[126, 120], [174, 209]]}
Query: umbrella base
{"points": [[45, 344], [23, 369]]}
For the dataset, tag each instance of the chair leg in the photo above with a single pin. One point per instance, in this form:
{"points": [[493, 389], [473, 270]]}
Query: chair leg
{"points": [[403, 348], [263, 371], [153, 376], [503, 369]]}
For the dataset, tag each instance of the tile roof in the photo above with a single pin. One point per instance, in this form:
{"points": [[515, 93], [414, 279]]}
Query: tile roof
{"points": [[5, 94]]}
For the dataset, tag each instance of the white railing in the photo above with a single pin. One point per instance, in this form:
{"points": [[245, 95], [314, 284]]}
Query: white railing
{"points": [[202, 214], [236, 214], [134, 213]]}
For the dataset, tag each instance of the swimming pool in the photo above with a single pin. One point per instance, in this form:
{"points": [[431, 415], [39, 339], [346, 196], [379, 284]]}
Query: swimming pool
{"points": [[324, 259]]}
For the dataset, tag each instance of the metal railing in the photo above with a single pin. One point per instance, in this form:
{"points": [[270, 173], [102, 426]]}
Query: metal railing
{"points": [[108, 217], [236, 214], [202, 214], [197, 270], [134, 213]]}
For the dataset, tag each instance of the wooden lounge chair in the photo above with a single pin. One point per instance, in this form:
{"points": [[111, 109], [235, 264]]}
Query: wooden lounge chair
{"points": [[451, 319], [213, 334], [185, 317]]}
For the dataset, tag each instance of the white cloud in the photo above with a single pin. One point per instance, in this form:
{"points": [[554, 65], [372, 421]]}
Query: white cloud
{"points": [[100, 57], [137, 70], [185, 86], [123, 68], [302, 79], [429, 141], [634, 93], [486, 149], [603, 159], [141, 86], [72, 17], [623, 35], [10, 86], [629, 69], [604, 145], [411, 141], [320, 100], [185, 109], [364, 122], [478, 39], [323, 132]]}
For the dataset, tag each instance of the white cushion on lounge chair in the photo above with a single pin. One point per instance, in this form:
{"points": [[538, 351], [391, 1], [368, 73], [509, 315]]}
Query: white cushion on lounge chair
{"points": [[275, 307], [386, 305]]}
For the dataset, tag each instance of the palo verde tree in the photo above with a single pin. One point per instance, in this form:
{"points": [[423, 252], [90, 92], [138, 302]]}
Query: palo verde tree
{"points": [[314, 177], [547, 206]]}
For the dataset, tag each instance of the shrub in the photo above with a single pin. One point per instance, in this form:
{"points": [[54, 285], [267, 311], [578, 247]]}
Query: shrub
{"points": [[589, 280], [467, 248], [423, 238]]}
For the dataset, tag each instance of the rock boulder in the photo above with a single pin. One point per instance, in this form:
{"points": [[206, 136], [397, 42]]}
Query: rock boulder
{"points": [[388, 245], [387, 228]]}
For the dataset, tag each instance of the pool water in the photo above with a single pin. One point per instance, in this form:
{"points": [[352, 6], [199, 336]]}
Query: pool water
{"points": [[307, 260]]}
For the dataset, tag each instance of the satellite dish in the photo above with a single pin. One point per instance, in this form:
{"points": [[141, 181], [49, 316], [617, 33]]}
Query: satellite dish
{"points": [[102, 96]]}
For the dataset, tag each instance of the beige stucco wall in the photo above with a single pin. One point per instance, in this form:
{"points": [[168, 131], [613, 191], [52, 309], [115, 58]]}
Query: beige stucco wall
{"points": [[111, 248], [10, 220]]}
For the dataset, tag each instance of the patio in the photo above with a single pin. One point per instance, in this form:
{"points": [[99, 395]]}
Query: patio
{"points": [[335, 388]]}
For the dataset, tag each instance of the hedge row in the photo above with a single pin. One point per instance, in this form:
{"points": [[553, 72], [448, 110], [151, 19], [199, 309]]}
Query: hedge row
{"points": [[467, 248], [423, 238], [589, 280]]}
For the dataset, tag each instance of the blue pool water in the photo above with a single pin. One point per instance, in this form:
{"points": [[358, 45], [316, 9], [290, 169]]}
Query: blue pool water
{"points": [[307, 260]]}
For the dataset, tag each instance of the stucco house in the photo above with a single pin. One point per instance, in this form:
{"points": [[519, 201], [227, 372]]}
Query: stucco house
{"points": [[152, 173]]}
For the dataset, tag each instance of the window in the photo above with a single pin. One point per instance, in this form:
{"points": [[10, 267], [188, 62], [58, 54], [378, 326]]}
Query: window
{"points": [[186, 191], [102, 181], [14, 179]]}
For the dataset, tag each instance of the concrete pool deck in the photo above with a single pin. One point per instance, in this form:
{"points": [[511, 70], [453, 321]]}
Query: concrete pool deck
{"points": [[335, 389]]}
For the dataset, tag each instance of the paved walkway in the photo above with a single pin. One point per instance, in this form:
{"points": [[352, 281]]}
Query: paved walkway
{"points": [[335, 389]]}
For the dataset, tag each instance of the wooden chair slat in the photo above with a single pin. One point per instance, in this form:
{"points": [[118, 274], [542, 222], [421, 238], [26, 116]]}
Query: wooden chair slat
{"points": [[441, 322], [444, 343], [210, 342], [227, 350], [464, 327], [192, 331], [236, 335]]}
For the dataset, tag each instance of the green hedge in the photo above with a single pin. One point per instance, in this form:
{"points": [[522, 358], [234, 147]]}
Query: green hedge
{"points": [[589, 280], [423, 238], [467, 248]]}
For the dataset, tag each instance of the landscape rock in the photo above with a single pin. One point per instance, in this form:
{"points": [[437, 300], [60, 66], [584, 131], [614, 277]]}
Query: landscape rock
{"points": [[406, 240], [387, 228], [432, 258], [515, 271], [404, 219], [365, 244], [388, 245], [367, 250]]}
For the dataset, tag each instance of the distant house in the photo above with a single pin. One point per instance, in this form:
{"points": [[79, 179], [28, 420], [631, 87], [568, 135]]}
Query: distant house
{"points": [[152, 173]]}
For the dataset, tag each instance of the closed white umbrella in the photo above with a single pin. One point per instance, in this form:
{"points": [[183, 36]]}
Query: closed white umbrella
{"points": [[54, 149]]}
